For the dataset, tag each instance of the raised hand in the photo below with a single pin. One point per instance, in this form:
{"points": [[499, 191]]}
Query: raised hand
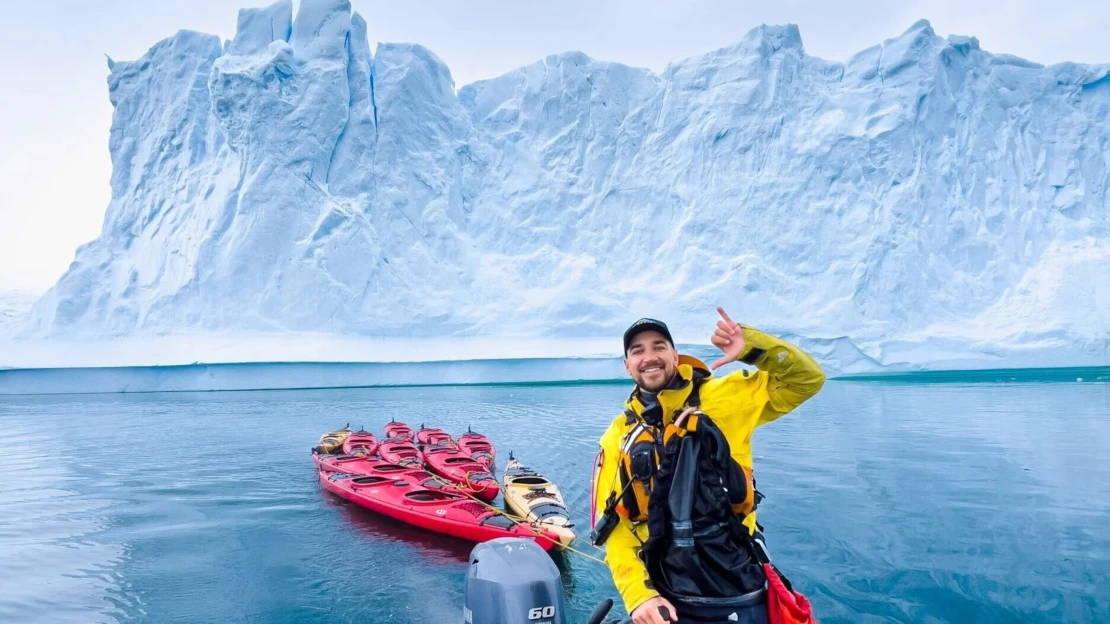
{"points": [[729, 338]]}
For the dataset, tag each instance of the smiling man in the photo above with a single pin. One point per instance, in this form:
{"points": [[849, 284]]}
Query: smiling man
{"points": [[710, 573]]}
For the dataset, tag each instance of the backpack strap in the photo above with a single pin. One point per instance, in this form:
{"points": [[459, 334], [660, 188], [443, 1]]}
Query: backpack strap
{"points": [[694, 400]]}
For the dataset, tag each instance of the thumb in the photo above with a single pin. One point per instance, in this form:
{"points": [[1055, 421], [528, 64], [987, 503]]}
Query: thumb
{"points": [[666, 610], [719, 363]]}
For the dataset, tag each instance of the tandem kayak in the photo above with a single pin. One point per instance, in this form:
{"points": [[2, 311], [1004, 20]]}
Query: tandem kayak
{"points": [[479, 447], [431, 436], [361, 442], [398, 431], [402, 453], [408, 500], [373, 465], [359, 464], [458, 467]]}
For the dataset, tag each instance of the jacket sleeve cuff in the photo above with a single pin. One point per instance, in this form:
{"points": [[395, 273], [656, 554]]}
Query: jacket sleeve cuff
{"points": [[635, 601], [752, 355], [756, 345]]}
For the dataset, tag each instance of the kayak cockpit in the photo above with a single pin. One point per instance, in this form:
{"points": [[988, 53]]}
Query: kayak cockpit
{"points": [[529, 481], [369, 480], [433, 496]]}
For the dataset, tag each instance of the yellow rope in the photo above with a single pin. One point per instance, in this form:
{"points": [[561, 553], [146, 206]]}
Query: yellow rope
{"points": [[597, 548], [588, 556], [518, 520]]}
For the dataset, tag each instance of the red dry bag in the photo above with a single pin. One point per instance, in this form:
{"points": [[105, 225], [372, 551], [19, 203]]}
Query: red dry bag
{"points": [[784, 605]]}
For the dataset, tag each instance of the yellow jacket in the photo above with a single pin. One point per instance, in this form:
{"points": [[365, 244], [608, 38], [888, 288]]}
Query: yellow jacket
{"points": [[737, 403]]}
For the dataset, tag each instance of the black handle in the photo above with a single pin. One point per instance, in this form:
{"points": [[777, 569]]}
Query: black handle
{"points": [[601, 611]]}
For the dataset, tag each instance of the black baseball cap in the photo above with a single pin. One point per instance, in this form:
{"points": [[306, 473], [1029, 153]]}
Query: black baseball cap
{"points": [[643, 325]]}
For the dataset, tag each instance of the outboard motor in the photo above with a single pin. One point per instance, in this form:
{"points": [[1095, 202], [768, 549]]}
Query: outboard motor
{"points": [[511, 580]]}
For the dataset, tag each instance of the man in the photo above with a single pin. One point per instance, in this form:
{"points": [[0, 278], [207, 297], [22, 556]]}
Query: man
{"points": [[669, 388]]}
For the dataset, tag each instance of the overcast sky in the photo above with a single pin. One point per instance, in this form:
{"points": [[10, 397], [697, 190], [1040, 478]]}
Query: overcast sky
{"points": [[55, 115]]}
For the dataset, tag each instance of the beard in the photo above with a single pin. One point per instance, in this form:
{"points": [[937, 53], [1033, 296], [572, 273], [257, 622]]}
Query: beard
{"points": [[656, 381]]}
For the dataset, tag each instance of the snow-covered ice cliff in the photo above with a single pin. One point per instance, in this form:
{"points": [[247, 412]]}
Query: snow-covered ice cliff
{"points": [[925, 203]]}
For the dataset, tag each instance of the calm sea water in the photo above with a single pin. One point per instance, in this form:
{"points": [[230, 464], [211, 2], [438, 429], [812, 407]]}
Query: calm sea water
{"points": [[886, 503]]}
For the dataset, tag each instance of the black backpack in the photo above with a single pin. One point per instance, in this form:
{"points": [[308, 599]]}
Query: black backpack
{"points": [[698, 549]]}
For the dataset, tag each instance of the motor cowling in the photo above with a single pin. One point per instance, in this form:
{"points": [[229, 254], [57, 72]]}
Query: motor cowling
{"points": [[511, 580]]}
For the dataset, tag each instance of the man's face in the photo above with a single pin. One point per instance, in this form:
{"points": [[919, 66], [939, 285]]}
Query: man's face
{"points": [[651, 360]]}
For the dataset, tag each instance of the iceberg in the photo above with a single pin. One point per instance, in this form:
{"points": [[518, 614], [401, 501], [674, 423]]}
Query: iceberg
{"points": [[925, 204], [15, 305]]}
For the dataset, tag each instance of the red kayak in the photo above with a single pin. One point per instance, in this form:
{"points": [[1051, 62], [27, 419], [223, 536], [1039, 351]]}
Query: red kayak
{"points": [[401, 453], [479, 447], [407, 500], [359, 465], [398, 431], [458, 467], [374, 465], [361, 442], [428, 436]]}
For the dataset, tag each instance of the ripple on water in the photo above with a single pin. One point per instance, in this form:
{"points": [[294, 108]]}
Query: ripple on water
{"points": [[53, 560], [885, 503]]}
